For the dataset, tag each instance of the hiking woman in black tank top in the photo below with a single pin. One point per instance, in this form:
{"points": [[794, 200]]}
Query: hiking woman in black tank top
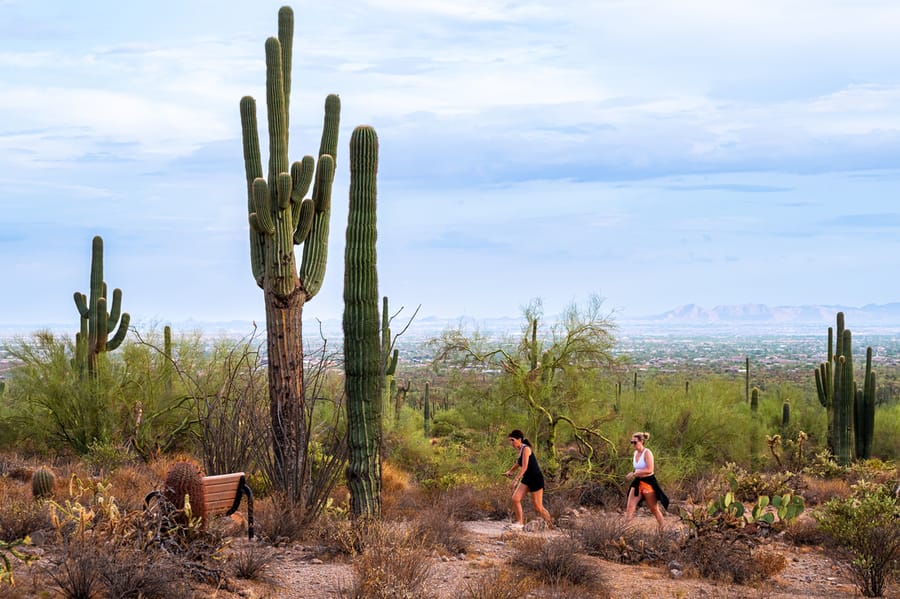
{"points": [[527, 477]]}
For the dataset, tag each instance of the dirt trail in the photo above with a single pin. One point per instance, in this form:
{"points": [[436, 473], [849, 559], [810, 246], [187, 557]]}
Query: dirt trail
{"points": [[298, 574]]}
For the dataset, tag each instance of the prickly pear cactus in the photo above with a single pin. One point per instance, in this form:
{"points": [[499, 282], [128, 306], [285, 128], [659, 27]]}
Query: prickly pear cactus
{"points": [[185, 478], [42, 483]]}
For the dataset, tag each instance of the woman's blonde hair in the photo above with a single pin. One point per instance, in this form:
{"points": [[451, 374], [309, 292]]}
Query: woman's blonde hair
{"points": [[642, 436]]}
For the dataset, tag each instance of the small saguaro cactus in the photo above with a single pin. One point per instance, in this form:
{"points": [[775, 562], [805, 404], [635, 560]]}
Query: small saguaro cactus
{"points": [[389, 357], [426, 400], [785, 415], [754, 400], [185, 478], [747, 378], [864, 412], [96, 322], [42, 483]]}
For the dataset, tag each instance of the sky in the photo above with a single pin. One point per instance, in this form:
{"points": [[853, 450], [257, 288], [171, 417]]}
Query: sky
{"points": [[654, 153]]}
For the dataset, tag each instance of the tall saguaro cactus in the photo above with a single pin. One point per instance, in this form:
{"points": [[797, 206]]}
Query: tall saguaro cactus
{"points": [[281, 218], [96, 322], [362, 332]]}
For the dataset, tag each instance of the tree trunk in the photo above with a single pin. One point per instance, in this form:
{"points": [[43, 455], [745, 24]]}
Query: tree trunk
{"points": [[285, 365]]}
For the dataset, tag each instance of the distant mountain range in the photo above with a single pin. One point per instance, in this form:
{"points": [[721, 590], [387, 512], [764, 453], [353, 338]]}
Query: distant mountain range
{"points": [[689, 317], [869, 315]]}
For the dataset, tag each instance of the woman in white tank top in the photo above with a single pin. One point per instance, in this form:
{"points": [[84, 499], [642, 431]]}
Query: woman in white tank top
{"points": [[644, 486]]}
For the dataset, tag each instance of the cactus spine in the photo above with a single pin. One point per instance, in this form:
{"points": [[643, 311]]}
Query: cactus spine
{"points": [[42, 483], [363, 342], [281, 218], [96, 322], [390, 358], [186, 479]]}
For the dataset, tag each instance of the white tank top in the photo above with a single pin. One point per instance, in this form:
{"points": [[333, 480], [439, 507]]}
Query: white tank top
{"points": [[639, 464]]}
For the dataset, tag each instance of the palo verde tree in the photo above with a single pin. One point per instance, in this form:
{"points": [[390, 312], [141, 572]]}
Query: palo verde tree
{"points": [[281, 217], [545, 372]]}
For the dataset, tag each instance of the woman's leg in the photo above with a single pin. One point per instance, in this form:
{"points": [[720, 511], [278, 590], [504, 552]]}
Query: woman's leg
{"points": [[633, 499], [537, 498], [517, 496], [653, 504]]}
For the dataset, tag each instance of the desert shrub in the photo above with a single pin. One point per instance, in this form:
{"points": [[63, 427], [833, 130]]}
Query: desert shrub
{"points": [[823, 465], [887, 441], [392, 564], [496, 585], [804, 530], [747, 486], [252, 561], [730, 558], [441, 530], [819, 490], [558, 561], [105, 457], [280, 521], [469, 502], [52, 403], [611, 538], [867, 527], [78, 576], [21, 517], [131, 574]]}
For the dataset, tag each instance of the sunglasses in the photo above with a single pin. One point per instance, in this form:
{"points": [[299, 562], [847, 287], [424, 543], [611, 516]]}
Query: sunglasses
{"points": [[633, 442]]}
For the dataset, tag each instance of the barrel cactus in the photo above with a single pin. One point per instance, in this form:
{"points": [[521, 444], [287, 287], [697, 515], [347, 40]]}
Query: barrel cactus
{"points": [[42, 483], [185, 478]]}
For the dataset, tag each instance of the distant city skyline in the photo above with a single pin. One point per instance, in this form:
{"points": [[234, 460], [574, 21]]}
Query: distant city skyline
{"points": [[654, 153]]}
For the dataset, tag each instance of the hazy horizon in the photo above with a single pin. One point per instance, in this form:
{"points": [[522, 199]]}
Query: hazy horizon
{"points": [[654, 153]]}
